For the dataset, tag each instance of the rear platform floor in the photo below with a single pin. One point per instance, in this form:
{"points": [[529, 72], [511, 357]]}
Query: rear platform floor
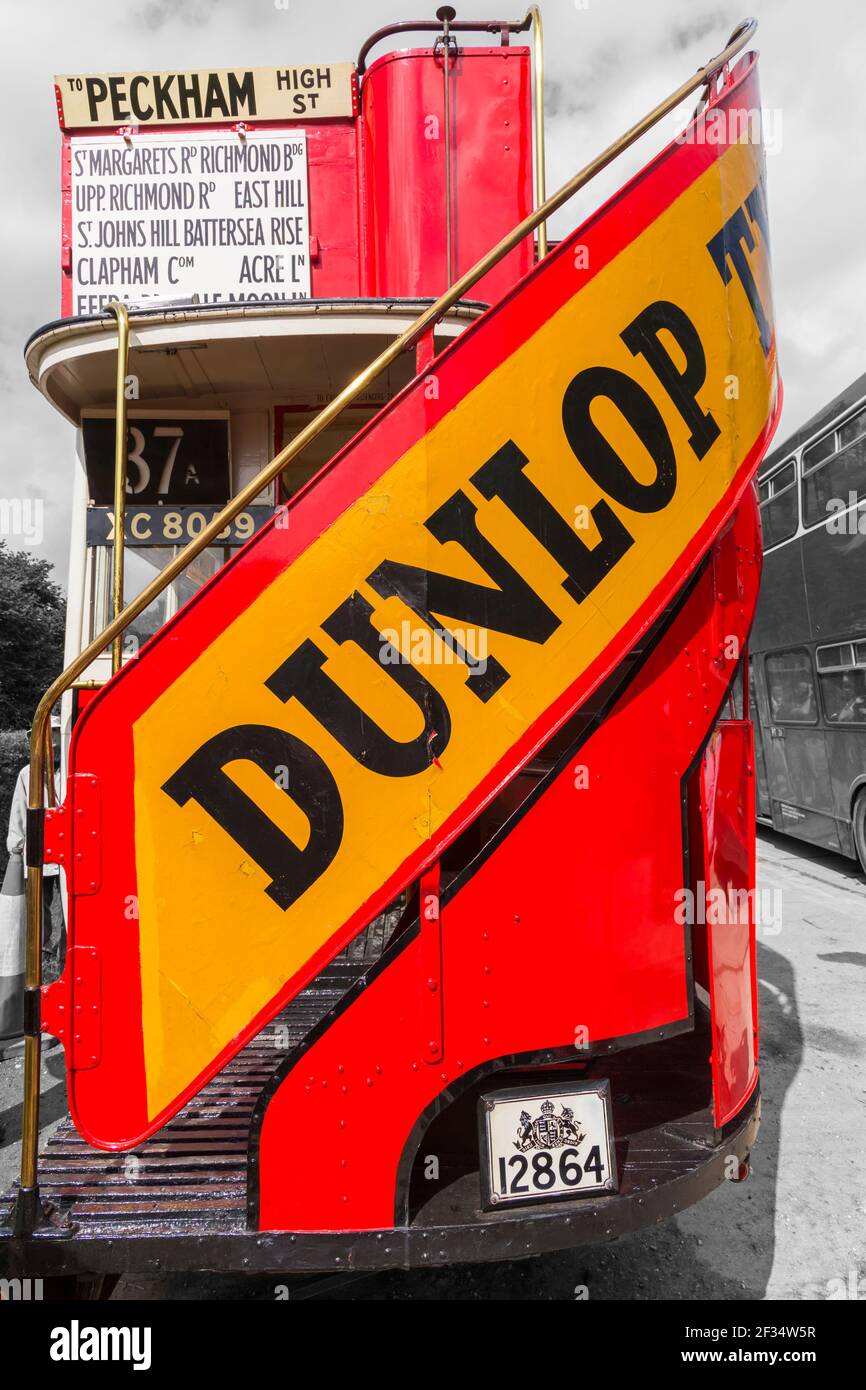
{"points": [[191, 1176]]}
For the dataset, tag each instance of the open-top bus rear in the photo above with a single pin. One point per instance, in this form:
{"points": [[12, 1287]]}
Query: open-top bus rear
{"points": [[410, 860]]}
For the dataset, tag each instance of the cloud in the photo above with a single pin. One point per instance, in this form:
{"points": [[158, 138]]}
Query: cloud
{"points": [[159, 14], [696, 29]]}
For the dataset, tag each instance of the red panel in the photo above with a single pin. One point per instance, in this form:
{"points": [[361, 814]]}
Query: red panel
{"points": [[334, 209], [403, 124], [561, 936], [728, 797], [83, 698]]}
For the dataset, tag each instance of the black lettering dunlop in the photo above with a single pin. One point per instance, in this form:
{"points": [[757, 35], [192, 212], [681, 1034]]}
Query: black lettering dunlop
{"points": [[505, 603], [585, 566], [642, 337], [597, 454], [512, 607], [310, 784], [302, 677]]}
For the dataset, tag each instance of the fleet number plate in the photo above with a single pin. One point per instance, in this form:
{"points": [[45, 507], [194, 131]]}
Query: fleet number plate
{"points": [[542, 1142]]}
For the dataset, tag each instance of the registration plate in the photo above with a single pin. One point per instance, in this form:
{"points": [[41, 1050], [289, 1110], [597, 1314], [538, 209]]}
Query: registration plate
{"points": [[543, 1142]]}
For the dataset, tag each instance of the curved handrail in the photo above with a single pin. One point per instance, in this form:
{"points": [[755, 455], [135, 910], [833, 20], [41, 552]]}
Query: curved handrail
{"points": [[430, 26], [33, 969]]}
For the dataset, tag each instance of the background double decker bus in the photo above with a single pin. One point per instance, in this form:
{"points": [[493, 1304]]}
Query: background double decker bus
{"points": [[808, 648]]}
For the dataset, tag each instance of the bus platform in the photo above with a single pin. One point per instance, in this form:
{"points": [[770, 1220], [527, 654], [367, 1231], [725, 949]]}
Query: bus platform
{"points": [[178, 1202]]}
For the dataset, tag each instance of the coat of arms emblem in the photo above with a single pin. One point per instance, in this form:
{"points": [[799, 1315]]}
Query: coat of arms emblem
{"points": [[548, 1130]]}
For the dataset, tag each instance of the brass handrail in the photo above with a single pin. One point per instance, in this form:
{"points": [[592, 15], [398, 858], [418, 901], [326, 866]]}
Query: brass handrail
{"points": [[120, 313], [28, 1203], [445, 13], [533, 17]]}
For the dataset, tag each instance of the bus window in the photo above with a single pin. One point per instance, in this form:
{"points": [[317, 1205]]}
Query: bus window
{"points": [[763, 804], [791, 688], [844, 696], [322, 448], [835, 658], [778, 494], [817, 453], [827, 489], [141, 565], [852, 429], [843, 682]]}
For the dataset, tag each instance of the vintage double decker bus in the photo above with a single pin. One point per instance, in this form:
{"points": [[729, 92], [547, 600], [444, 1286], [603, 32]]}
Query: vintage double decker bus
{"points": [[408, 747], [808, 650]]}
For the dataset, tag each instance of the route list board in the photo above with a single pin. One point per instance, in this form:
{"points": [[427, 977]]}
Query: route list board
{"points": [[209, 214]]}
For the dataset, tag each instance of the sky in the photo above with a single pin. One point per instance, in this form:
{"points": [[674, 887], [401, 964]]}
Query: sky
{"points": [[607, 62]]}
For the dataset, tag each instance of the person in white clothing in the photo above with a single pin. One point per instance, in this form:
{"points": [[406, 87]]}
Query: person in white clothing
{"points": [[53, 924]]}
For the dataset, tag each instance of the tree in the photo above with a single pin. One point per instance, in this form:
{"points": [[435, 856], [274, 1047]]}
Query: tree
{"points": [[32, 621]]}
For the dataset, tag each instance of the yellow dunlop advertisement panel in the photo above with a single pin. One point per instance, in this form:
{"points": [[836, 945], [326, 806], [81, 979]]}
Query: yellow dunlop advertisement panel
{"points": [[342, 699]]}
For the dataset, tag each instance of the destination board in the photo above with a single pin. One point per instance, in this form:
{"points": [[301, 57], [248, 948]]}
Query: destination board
{"points": [[218, 94], [173, 216]]}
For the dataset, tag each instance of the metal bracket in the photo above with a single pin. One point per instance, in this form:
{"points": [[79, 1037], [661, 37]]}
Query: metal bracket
{"points": [[32, 1011], [441, 42], [728, 582], [72, 835], [727, 569], [425, 352], [34, 843], [71, 1008], [32, 1215]]}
